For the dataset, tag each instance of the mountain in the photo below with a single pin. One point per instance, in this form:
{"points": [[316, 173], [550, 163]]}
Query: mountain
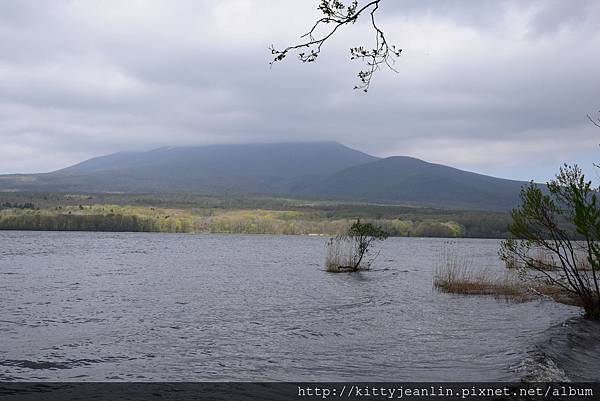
{"points": [[275, 159], [276, 168], [324, 170], [410, 180]]}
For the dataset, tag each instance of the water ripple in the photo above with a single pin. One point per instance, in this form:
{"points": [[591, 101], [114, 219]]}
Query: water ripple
{"points": [[139, 306]]}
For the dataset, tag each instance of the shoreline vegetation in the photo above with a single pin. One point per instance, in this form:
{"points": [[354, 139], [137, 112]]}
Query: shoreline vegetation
{"points": [[182, 213], [455, 272], [553, 250]]}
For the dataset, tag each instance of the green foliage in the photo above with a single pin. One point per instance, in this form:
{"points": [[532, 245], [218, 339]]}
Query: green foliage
{"points": [[565, 222], [15, 205], [366, 230], [95, 218], [200, 213], [435, 229]]}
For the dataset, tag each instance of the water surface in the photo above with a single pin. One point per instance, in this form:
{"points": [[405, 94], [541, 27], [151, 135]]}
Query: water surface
{"points": [[169, 307]]}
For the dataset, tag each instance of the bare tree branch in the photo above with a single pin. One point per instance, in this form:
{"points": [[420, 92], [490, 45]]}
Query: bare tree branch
{"points": [[337, 14], [596, 122]]}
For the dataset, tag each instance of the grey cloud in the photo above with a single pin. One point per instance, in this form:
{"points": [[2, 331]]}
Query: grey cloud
{"points": [[553, 15], [79, 84], [546, 16]]}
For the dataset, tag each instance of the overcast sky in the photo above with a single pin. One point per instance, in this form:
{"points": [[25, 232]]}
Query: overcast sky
{"points": [[501, 88]]}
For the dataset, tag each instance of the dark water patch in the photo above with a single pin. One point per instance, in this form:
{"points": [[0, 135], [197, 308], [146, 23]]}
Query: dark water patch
{"points": [[12, 322], [569, 351], [57, 365], [35, 364]]}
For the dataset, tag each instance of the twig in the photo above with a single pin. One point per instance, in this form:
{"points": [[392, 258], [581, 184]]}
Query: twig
{"points": [[337, 13]]}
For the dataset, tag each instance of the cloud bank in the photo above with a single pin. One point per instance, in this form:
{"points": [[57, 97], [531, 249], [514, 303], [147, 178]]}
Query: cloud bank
{"points": [[496, 87]]}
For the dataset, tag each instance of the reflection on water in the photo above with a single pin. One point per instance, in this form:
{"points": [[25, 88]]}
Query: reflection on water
{"points": [[125, 306]]}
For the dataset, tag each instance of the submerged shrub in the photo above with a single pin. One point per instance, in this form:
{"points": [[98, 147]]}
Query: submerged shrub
{"points": [[456, 272], [346, 252], [338, 253]]}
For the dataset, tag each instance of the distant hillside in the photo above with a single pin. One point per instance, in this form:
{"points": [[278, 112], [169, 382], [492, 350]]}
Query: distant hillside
{"points": [[277, 168], [283, 160], [409, 180], [324, 170]]}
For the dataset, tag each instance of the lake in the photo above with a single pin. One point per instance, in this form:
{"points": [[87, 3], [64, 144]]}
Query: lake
{"points": [[169, 307]]}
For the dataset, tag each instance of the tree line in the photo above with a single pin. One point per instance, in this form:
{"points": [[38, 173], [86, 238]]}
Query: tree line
{"points": [[240, 222]]}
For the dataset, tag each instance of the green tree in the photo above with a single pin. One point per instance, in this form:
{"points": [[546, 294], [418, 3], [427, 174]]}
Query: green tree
{"points": [[347, 251], [565, 222], [364, 235]]}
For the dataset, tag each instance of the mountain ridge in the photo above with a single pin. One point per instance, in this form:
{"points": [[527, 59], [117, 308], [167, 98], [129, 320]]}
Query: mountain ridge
{"points": [[321, 170]]}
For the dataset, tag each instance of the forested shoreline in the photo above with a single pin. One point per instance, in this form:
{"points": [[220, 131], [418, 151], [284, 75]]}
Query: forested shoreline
{"points": [[203, 214]]}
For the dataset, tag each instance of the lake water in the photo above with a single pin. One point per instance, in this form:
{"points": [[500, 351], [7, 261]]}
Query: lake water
{"points": [[169, 307]]}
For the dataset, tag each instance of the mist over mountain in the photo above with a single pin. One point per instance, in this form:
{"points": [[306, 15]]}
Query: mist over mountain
{"points": [[321, 170]]}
